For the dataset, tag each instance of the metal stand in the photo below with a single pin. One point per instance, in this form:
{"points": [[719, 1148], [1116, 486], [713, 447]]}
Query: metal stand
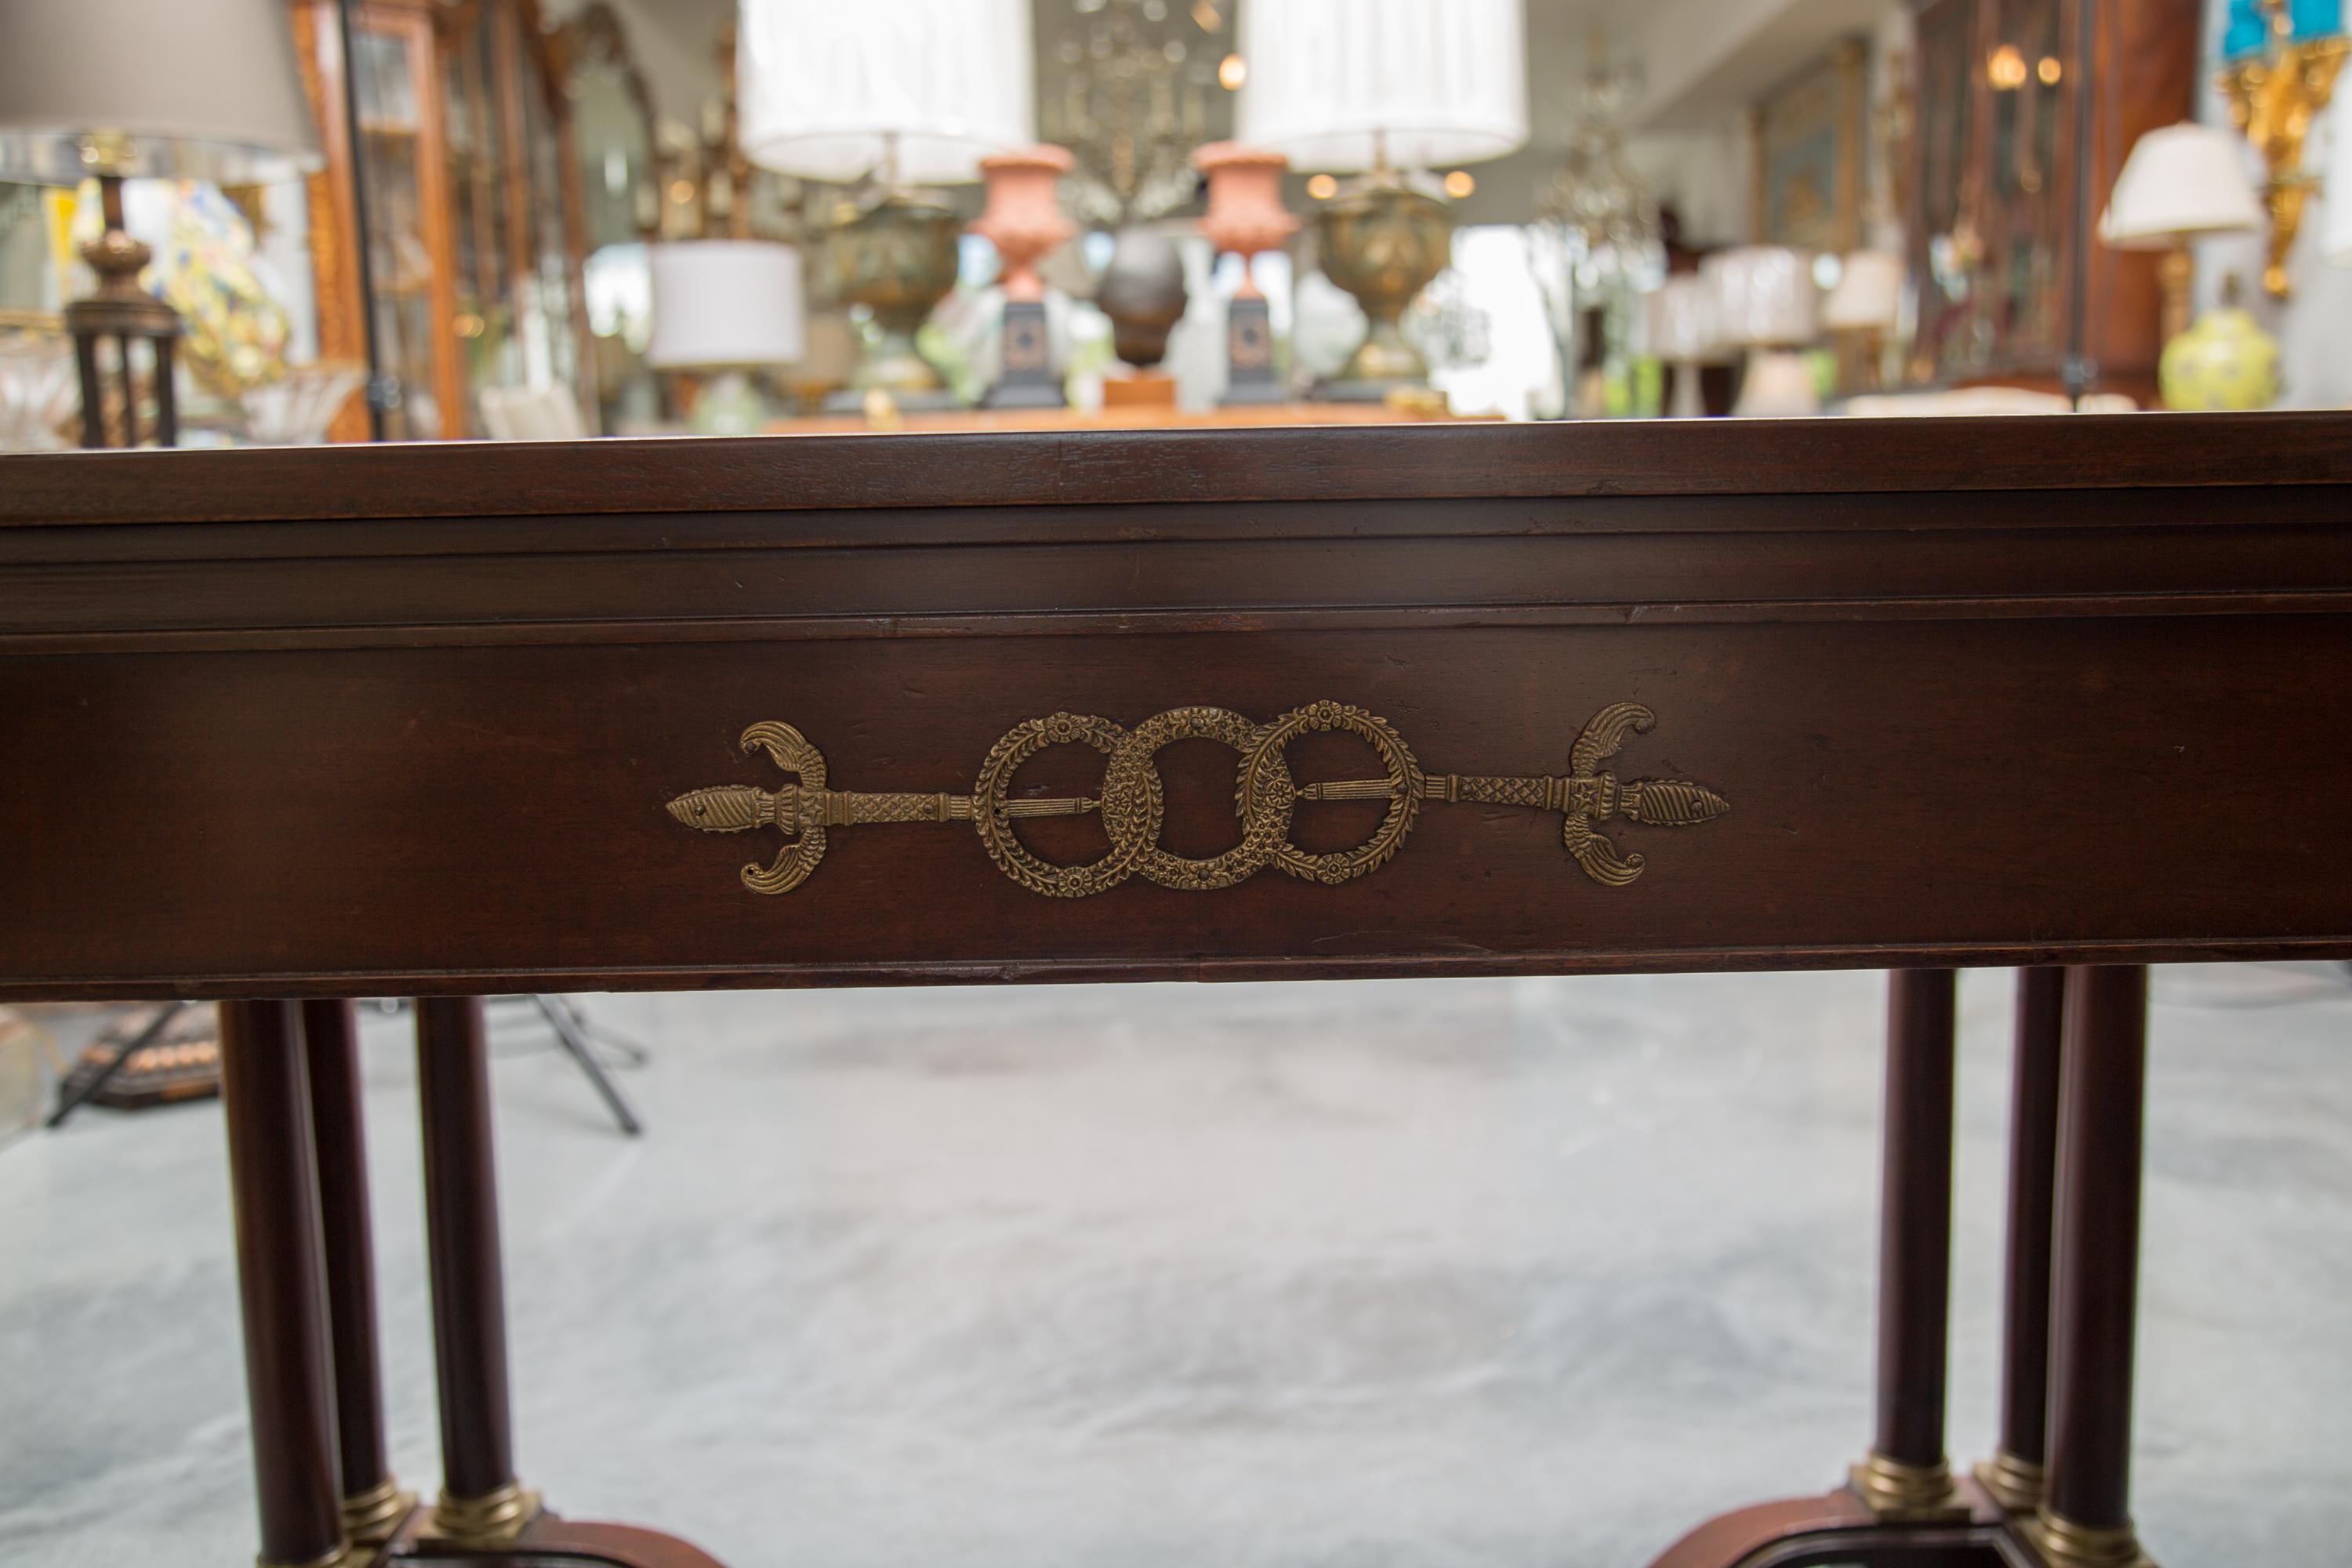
{"points": [[571, 1033], [70, 1103]]}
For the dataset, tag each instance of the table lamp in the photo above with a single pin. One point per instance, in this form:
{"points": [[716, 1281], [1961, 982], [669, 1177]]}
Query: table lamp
{"points": [[1864, 306], [1379, 88], [144, 89], [1683, 332], [2180, 184], [903, 94], [726, 306], [1766, 302]]}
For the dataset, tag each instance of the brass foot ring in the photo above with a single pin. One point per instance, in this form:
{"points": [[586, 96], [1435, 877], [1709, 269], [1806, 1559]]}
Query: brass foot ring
{"points": [[370, 1516], [2067, 1544], [1898, 1486], [491, 1521], [2016, 1484]]}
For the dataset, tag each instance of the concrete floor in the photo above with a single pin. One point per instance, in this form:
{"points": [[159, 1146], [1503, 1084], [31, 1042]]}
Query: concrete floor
{"points": [[1392, 1274]]}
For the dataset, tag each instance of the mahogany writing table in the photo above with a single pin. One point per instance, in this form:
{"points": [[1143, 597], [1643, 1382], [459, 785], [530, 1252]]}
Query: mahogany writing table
{"points": [[292, 726]]}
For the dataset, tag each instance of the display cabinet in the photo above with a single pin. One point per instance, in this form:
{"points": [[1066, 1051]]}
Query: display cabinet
{"points": [[2012, 164], [454, 120]]}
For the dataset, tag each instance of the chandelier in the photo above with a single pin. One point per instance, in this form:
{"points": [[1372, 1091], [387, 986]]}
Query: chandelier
{"points": [[1596, 207], [1131, 103]]}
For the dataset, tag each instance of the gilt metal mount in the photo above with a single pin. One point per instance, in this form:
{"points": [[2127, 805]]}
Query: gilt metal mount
{"points": [[1132, 805]]}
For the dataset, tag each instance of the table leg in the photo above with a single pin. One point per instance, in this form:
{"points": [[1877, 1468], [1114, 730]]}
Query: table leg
{"points": [[481, 1502], [2086, 1516], [282, 1283], [374, 1504], [2015, 1474], [1900, 1505], [484, 1512], [1906, 1471]]}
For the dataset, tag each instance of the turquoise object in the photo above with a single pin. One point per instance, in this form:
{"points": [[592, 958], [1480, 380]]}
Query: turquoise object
{"points": [[2314, 18], [2248, 30]]}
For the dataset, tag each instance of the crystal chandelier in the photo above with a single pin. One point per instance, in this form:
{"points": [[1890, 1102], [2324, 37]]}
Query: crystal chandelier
{"points": [[1131, 103], [1596, 207]]}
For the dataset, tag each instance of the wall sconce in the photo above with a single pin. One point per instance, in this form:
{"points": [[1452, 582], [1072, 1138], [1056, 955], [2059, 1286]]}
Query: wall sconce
{"points": [[2285, 58]]}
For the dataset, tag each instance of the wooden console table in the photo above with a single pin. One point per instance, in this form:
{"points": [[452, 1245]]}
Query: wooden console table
{"points": [[291, 727]]}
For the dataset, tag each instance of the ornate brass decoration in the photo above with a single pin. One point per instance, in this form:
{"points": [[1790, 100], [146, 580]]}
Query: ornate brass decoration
{"points": [[1132, 802], [2275, 97]]}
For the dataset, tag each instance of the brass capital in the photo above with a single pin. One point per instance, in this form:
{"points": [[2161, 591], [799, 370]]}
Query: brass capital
{"points": [[2016, 1484], [1890, 1486], [370, 1516], [2065, 1544], [492, 1520]]}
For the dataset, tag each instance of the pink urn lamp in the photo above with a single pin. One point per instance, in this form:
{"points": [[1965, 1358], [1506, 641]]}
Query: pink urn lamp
{"points": [[1245, 217], [1024, 220]]}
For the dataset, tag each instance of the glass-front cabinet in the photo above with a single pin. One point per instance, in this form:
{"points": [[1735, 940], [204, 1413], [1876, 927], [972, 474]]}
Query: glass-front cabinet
{"points": [[465, 177], [2023, 120]]}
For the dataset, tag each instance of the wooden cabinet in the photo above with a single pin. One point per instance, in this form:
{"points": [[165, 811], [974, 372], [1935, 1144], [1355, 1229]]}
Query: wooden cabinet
{"points": [[2006, 156], [472, 203]]}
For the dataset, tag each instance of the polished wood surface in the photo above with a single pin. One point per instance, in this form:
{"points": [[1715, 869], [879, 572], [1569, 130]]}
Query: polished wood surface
{"points": [[281, 1272], [2095, 1292], [2032, 1189], [461, 1232], [1915, 1218], [330, 1036], [409, 721], [2004, 656]]}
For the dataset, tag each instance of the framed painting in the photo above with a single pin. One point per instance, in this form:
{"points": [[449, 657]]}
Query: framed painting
{"points": [[1808, 135]]}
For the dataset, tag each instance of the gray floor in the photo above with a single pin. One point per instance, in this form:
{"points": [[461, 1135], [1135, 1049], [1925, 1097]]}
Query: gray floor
{"points": [[1509, 1273]]}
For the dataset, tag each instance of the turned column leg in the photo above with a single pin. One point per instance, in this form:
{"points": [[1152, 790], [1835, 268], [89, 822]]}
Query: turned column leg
{"points": [[1905, 1470], [2086, 1516], [2014, 1474], [481, 1502], [281, 1277], [374, 1504]]}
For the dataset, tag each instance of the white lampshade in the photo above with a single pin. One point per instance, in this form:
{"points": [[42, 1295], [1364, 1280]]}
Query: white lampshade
{"points": [[1777, 384], [1682, 320], [1343, 85], [1869, 292], [1764, 296], [725, 302], [203, 91], [824, 88], [2180, 182]]}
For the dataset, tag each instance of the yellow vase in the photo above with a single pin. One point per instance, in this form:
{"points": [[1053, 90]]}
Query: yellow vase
{"points": [[2225, 361]]}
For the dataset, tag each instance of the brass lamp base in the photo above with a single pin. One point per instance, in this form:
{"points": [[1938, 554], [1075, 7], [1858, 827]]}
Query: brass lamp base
{"points": [[1382, 242], [898, 259]]}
